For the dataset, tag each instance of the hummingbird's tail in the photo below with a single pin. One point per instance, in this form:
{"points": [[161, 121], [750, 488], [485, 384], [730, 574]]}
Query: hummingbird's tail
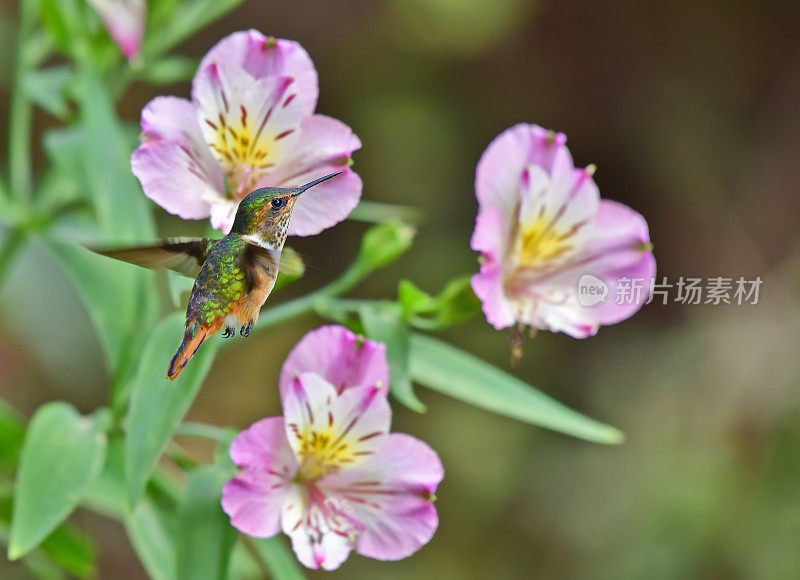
{"points": [[192, 339]]}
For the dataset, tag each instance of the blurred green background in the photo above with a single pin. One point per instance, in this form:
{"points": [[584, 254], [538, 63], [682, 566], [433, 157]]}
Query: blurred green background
{"points": [[691, 113]]}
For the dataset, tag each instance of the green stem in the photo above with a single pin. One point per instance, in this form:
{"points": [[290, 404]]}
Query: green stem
{"points": [[180, 457], [379, 212], [9, 250], [192, 429], [305, 304], [20, 114]]}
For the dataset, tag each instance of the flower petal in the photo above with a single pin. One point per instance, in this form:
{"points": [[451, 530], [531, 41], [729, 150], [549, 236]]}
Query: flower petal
{"points": [[251, 125], [173, 162], [621, 250], [255, 497], [488, 287], [308, 521], [491, 234], [266, 57], [338, 355], [325, 205], [391, 497], [556, 217], [325, 146], [124, 20], [329, 431], [499, 171], [618, 250], [223, 214]]}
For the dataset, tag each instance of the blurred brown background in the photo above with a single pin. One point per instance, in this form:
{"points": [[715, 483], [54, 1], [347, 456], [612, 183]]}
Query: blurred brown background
{"points": [[691, 112]]}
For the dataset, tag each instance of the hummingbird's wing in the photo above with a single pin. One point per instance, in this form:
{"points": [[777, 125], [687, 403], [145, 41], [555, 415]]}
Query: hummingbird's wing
{"points": [[182, 255], [290, 263]]}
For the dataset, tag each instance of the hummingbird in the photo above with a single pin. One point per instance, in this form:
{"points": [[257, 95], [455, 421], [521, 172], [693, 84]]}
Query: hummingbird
{"points": [[234, 274]]}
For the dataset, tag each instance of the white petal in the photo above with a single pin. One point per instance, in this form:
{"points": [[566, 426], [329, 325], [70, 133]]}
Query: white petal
{"points": [[330, 431], [315, 542], [251, 125]]}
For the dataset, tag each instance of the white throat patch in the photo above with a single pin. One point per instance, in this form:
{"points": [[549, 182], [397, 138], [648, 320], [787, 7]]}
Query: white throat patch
{"points": [[260, 242]]}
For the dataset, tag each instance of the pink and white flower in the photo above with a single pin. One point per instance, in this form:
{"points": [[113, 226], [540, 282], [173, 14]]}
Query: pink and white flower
{"points": [[250, 124], [328, 473], [124, 20], [541, 228]]}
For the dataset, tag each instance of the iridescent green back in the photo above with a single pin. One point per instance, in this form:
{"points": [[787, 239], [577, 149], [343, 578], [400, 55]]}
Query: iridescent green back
{"points": [[221, 283]]}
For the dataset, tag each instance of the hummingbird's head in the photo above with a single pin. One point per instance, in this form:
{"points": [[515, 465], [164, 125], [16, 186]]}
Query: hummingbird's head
{"points": [[264, 214]]}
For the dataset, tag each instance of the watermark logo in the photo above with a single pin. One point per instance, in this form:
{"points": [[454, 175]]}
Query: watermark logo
{"points": [[591, 290], [714, 290]]}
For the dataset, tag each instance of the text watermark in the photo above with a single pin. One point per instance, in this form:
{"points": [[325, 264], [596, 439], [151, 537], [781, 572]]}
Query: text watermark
{"points": [[715, 291]]}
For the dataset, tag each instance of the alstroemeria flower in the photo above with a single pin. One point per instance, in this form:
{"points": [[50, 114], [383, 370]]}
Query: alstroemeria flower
{"points": [[542, 230], [124, 20], [250, 124], [328, 473]]}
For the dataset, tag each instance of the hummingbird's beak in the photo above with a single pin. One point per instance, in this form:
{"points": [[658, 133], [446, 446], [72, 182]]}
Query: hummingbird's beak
{"points": [[302, 188]]}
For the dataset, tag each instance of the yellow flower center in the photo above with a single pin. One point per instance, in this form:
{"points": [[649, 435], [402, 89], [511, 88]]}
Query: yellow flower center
{"points": [[540, 243], [321, 452], [242, 149]]}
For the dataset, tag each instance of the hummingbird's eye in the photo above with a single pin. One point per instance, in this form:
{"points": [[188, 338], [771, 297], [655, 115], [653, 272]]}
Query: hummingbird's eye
{"points": [[278, 202]]}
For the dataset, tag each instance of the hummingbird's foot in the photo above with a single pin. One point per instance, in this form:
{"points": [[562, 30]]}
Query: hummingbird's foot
{"points": [[229, 332], [246, 330]]}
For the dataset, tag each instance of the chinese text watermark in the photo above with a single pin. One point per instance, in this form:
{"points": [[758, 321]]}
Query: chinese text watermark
{"points": [[715, 291]]}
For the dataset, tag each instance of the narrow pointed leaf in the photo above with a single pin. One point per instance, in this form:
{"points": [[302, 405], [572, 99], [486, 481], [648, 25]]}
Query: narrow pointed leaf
{"points": [[151, 530], [72, 551], [158, 404], [103, 153], [278, 558], [111, 297], [106, 496], [170, 70], [95, 153], [62, 454], [383, 321], [47, 88], [66, 547], [458, 374], [204, 538], [12, 434]]}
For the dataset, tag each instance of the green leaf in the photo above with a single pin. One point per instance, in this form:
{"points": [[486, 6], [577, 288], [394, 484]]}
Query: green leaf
{"points": [[47, 88], [222, 453], [96, 154], [383, 322], [279, 559], [158, 404], [171, 69], [72, 551], [62, 21], [66, 547], [98, 151], [205, 538], [454, 304], [110, 293], [151, 530], [190, 16], [340, 311], [179, 287], [378, 212], [106, 496], [454, 372], [62, 455], [12, 434]]}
